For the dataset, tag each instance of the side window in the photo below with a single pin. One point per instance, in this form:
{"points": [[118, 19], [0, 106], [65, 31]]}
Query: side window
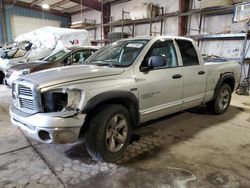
{"points": [[165, 49], [68, 61], [188, 53], [81, 56]]}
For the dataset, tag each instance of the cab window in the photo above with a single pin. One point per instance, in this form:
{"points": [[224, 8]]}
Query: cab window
{"points": [[165, 49], [188, 53]]}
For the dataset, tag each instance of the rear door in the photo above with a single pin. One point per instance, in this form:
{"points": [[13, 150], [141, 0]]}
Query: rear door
{"points": [[194, 75]]}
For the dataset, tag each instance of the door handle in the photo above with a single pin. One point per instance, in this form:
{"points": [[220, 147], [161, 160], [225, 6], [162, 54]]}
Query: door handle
{"points": [[201, 72], [176, 76]]}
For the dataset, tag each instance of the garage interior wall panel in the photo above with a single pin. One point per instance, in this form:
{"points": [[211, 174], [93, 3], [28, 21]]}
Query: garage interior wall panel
{"points": [[217, 24], [92, 15], [23, 24], [170, 25], [20, 11]]}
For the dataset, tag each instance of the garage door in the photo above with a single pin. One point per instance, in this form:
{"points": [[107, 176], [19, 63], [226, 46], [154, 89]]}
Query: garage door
{"points": [[23, 24]]}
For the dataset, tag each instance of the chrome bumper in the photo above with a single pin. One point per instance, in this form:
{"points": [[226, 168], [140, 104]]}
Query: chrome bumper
{"points": [[56, 127]]}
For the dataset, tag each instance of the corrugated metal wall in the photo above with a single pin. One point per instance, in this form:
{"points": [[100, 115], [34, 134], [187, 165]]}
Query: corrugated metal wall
{"points": [[20, 11]]}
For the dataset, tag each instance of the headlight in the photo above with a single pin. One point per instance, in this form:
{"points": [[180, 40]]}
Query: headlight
{"points": [[25, 71], [21, 72], [62, 100]]}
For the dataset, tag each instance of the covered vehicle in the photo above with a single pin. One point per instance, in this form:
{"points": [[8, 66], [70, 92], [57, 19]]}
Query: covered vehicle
{"points": [[68, 56], [45, 41]]}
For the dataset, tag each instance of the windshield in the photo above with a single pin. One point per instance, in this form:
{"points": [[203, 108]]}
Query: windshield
{"points": [[57, 56], [120, 54]]}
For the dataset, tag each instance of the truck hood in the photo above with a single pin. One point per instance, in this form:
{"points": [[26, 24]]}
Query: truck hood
{"points": [[29, 65], [50, 77]]}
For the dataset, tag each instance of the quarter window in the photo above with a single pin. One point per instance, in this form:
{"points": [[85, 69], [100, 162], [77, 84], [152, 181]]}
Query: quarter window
{"points": [[188, 53]]}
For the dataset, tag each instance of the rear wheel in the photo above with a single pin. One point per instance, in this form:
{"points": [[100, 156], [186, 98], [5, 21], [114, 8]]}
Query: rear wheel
{"points": [[222, 101], [108, 133]]}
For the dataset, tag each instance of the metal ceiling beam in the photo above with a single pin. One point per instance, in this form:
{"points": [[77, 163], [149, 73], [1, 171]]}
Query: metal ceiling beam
{"points": [[74, 8], [37, 8], [59, 3], [80, 11], [112, 2], [89, 3], [35, 2]]}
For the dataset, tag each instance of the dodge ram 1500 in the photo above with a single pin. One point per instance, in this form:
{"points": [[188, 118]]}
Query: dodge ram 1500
{"points": [[122, 85]]}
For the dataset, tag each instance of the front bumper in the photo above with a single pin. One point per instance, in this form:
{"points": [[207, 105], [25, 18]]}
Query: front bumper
{"points": [[56, 127]]}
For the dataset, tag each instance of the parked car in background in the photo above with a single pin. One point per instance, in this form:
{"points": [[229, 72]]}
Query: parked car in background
{"points": [[38, 44], [68, 56], [12, 53]]}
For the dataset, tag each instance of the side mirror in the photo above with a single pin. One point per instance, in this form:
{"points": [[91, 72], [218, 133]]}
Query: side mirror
{"points": [[156, 61]]}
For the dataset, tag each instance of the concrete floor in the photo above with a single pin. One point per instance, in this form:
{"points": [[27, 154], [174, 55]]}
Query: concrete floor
{"points": [[188, 149]]}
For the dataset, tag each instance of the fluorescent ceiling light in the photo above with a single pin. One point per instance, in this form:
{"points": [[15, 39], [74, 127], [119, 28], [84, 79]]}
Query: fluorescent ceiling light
{"points": [[45, 6]]}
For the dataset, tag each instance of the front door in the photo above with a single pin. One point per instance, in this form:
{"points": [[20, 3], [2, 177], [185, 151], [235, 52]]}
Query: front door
{"points": [[160, 89]]}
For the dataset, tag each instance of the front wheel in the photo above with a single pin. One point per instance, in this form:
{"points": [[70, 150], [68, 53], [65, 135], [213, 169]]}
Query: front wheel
{"points": [[222, 101], [108, 133]]}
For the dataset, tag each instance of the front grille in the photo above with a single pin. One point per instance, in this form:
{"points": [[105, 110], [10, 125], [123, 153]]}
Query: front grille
{"points": [[25, 96], [26, 99], [13, 86], [24, 90], [27, 103]]}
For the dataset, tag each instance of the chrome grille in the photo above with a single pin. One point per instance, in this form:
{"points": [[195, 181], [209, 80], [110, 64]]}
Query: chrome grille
{"points": [[27, 103], [26, 97], [24, 90], [13, 88]]}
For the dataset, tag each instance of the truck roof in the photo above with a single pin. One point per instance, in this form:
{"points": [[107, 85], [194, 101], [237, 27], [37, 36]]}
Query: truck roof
{"points": [[158, 37], [83, 47]]}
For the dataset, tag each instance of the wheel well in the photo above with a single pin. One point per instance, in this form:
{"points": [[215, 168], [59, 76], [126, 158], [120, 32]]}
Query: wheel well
{"points": [[230, 81], [126, 102], [227, 78]]}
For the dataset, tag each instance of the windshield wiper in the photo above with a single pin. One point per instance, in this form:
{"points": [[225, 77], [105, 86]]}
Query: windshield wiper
{"points": [[100, 63], [104, 64]]}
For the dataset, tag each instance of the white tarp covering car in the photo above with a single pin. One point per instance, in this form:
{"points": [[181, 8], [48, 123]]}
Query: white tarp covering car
{"points": [[44, 41], [56, 38]]}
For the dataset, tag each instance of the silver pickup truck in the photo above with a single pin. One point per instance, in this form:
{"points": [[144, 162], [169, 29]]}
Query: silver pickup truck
{"points": [[122, 85]]}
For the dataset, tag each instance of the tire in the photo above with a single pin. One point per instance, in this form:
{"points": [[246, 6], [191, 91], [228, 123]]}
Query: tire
{"points": [[222, 101], [103, 142], [1, 77]]}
